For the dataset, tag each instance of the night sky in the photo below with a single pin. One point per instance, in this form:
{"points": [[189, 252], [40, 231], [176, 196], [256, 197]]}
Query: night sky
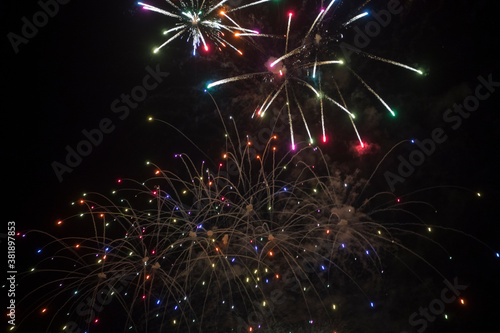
{"points": [[69, 77]]}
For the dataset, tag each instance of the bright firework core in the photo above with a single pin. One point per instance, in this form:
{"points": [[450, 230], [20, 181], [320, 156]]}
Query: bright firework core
{"points": [[193, 16]]}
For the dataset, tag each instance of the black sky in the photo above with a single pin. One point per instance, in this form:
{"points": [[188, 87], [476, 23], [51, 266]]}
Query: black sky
{"points": [[66, 77]]}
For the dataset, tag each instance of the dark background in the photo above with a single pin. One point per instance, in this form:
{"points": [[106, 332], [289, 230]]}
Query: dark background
{"points": [[66, 77]]}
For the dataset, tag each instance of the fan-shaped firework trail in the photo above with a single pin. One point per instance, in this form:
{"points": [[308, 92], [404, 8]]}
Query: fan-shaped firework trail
{"points": [[289, 69], [201, 21], [192, 251]]}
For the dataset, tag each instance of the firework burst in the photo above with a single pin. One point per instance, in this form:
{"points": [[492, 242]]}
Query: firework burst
{"points": [[200, 22], [207, 248], [321, 47]]}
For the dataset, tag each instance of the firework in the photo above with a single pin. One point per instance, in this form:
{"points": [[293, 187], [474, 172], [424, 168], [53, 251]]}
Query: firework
{"points": [[200, 22], [206, 248], [298, 68]]}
